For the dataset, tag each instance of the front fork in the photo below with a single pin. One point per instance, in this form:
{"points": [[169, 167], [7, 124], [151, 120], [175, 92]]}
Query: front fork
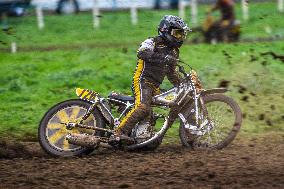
{"points": [[196, 97], [198, 127]]}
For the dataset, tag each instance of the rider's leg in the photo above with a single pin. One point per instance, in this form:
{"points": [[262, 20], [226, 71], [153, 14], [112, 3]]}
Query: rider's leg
{"points": [[226, 26], [142, 108], [214, 32]]}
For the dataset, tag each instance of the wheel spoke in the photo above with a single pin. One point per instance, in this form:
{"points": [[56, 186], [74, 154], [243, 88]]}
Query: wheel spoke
{"points": [[57, 135], [75, 113], [55, 126], [62, 116], [66, 144]]}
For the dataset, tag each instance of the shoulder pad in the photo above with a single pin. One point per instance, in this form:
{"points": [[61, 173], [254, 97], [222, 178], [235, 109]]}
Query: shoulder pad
{"points": [[148, 44]]}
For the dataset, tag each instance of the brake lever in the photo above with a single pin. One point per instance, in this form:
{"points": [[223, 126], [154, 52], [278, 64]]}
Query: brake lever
{"points": [[185, 64]]}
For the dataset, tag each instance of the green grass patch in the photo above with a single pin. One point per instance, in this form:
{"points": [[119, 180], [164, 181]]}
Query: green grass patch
{"points": [[116, 27], [33, 82]]}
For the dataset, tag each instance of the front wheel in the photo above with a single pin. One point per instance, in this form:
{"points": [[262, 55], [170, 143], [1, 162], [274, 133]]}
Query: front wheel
{"points": [[52, 131], [220, 121]]}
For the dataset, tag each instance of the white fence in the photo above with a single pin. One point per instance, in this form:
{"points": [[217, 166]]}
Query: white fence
{"points": [[133, 6], [102, 4]]}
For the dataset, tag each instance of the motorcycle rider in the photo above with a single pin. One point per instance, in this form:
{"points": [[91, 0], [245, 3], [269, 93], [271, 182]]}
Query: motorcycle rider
{"points": [[226, 8], [157, 58]]}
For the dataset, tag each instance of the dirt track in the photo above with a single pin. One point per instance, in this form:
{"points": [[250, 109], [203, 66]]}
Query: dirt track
{"points": [[248, 163]]}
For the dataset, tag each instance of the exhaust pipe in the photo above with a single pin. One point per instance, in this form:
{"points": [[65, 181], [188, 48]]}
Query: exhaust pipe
{"points": [[83, 140]]}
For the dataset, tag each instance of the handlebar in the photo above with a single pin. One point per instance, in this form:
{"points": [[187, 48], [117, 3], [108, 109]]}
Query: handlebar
{"points": [[181, 68]]}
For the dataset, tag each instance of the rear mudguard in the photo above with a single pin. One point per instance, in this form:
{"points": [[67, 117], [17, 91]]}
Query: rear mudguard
{"points": [[91, 97], [86, 94]]}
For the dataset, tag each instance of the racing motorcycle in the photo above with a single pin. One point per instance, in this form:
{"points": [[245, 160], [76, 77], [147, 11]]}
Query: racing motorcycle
{"points": [[215, 32], [207, 119]]}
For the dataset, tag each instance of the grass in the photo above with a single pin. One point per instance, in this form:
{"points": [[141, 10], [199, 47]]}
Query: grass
{"points": [[33, 82], [116, 27]]}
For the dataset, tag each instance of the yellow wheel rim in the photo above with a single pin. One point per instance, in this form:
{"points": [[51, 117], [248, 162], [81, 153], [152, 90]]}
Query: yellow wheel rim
{"points": [[56, 131]]}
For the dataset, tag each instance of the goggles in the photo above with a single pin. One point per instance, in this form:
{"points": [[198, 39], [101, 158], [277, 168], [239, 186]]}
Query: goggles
{"points": [[180, 34]]}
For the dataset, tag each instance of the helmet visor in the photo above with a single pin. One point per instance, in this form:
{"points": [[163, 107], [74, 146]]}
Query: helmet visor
{"points": [[179, 33]]}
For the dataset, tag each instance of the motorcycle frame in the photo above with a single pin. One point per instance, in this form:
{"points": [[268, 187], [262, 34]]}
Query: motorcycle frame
{"points": [[113, 121], [186, 94], [158, 100]]}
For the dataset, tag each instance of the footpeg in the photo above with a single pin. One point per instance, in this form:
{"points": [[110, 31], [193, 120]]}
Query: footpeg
{"points": [[193, 130], [120, 139], [83, 140]]}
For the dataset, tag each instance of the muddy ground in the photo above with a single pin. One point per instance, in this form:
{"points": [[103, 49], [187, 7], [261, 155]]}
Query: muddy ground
{"points": [[254, 162]]}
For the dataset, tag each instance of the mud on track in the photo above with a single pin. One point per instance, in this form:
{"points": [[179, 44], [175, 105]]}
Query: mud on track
{"points": [[256, 162]]}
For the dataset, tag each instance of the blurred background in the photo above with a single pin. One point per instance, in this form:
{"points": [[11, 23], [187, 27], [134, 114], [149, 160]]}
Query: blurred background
{"points": [[50, 47]]}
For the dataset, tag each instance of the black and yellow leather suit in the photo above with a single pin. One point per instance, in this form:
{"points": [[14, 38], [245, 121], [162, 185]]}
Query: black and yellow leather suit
{"points": [[152, 66]]}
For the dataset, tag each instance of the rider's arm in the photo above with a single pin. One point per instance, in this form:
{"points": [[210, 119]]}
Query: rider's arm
{"points": [[146, 52], [172, 74]]}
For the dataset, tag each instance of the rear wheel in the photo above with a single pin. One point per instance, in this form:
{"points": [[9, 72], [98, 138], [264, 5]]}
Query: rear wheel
{"points": [[220, 127], [52, 131]]}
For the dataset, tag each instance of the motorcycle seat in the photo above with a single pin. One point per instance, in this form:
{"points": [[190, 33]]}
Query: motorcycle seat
{"points": [[121, 97]]}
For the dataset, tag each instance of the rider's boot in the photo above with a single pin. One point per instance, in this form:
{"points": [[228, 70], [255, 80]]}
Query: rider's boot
{"points": [[121, 134]]}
